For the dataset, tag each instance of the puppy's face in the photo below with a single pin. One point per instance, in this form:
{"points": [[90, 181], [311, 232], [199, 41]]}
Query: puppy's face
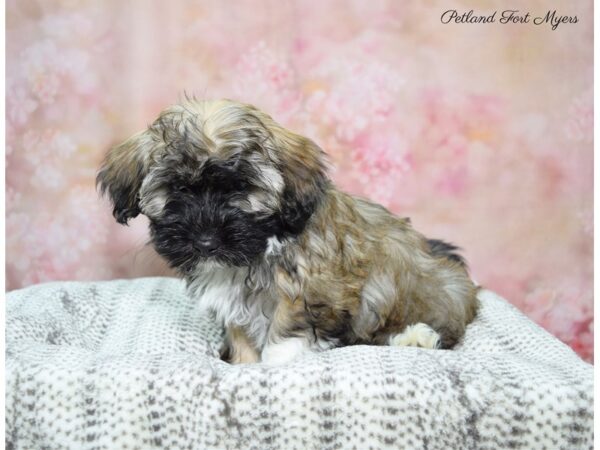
{"points": [[217, 179], [203, 205]]}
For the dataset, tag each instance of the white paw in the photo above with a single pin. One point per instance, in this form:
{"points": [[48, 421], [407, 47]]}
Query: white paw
{"points": [[284, 351], [417, 335]]}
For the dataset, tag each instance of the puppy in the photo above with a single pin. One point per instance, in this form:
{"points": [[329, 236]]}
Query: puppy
{"points": [[243, 209]]}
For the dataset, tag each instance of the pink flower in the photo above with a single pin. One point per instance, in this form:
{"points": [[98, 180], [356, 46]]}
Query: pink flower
{"points": [[48, 146], [453, 181], [41, 67], [583, 341], [71, 26], [266, 79], [566, 312], [380, 163], [357, 95], [20, 105]]}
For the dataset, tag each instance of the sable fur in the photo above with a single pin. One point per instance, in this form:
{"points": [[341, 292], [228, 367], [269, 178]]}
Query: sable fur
{"points": [[244, 210]]}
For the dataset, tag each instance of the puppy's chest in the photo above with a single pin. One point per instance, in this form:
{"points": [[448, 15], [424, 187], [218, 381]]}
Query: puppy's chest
{"points": [[226, 293]]}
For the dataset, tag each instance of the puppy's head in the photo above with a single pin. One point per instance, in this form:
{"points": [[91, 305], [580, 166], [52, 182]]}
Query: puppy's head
{"points": [[217, 179]]}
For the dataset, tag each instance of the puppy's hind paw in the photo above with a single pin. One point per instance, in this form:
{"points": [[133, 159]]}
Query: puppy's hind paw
{"points": [[283, 352], [417, 335]]}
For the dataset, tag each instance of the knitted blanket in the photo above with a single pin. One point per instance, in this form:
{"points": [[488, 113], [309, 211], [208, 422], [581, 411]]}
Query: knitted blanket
{"points": [[133, 364]]}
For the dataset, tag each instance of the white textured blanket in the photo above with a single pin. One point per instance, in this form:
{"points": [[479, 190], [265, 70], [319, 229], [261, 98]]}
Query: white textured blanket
{"points": [[134, 364]]}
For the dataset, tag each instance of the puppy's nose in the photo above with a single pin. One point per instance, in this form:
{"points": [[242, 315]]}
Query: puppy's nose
{"points": [[206, 244]]}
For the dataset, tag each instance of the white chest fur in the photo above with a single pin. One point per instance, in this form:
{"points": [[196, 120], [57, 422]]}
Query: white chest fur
{"points": [[223, 291]]}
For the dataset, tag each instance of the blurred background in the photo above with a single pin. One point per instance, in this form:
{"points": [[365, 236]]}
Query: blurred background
{"points": [[481, 133]]}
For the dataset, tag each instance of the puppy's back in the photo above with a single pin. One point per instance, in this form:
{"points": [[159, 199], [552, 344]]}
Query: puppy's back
{"points": [[405, 278]]}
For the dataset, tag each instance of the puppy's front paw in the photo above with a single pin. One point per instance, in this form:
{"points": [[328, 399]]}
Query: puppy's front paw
{"points": [[417, 335], [276, 354]]}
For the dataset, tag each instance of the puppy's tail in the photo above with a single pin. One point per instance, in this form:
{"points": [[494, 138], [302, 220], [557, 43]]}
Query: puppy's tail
{"points": [[444, 249]]}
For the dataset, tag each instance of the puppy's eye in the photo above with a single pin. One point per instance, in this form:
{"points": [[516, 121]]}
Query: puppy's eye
{"points": [[184, 189]]}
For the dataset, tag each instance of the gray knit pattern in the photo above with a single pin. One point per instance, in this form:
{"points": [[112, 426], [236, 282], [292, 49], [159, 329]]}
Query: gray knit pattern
{"points": [[133, 364]]}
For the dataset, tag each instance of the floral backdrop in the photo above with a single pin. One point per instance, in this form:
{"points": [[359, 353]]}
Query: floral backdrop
{"points": [[481, 133]]}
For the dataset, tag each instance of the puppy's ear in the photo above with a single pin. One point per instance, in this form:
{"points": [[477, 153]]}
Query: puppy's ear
{"points": [[122, 173], [303, 165]]}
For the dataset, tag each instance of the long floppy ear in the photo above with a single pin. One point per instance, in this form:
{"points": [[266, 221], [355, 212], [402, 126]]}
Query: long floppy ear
{"points": [[122, 173], [303, 165]]}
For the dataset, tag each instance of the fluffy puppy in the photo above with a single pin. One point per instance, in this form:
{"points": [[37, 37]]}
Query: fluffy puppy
{"points": [[243, 209]]}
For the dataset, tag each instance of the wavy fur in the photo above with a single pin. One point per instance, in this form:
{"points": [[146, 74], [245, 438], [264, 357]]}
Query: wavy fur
{"points": [[244, 210]]}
